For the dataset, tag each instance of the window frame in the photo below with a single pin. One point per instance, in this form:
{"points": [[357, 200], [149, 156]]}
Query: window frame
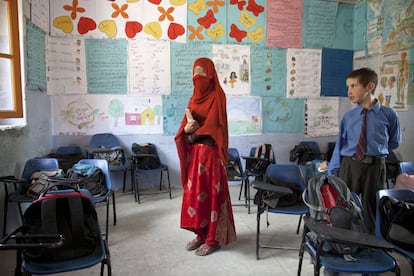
{"points": [[15, 61]]}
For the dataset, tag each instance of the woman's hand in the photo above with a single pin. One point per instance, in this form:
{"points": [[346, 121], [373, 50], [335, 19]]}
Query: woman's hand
{"points": [[191, 126]]}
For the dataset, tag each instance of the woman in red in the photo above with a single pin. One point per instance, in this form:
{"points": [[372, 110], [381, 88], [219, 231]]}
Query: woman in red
{"points": [[202, 146]]}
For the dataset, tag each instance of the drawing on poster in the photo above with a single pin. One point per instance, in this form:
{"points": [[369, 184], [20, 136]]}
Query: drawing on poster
{"points": [[321, 118], [244, 115], [80, 115]]}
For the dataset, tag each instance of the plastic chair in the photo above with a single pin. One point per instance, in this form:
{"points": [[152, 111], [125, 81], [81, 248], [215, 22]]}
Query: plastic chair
{"points": [[18, 195], [136, 171], [289, 173], [402, 194], [103, 165], [371, 259], [105, 141], [50, 244], [235, 172], [250, 170], [407, 167]]}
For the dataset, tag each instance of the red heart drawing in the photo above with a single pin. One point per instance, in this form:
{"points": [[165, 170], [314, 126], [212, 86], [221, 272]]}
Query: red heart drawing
{"points": [[155, 2], [85, 25], [132, 28], [175, 30]]}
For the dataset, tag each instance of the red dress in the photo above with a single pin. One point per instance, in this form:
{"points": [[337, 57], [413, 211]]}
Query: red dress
{"points": [[206, 202]]}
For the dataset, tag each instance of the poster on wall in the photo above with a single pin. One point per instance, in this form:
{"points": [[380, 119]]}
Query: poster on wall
{"points": [[156, 20], [393, 80], [119, 114], [303, 78], [244, 115], [232, 64], [321, 116], [149, 67], [283, 115], [66, 66]]}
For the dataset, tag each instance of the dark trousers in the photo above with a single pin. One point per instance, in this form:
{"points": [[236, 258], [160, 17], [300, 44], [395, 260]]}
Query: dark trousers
{"points": [[365, 180]]}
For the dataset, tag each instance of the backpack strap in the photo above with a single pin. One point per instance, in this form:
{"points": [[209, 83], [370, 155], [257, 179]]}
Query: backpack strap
{"points": [[48, 216], [50, 220]]}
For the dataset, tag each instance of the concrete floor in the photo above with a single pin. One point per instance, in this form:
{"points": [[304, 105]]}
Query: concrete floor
{"points": [[147, 240]]}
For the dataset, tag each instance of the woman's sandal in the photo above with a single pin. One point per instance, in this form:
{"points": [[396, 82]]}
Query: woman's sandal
{"points": [[194, 244], [205, 250]]}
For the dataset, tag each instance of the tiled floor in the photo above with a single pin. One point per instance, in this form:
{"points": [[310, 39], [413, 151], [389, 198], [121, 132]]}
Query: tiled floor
{"points": [[148, 241]]}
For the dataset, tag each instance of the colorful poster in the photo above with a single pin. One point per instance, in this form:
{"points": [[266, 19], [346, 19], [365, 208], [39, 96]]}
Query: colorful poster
{"points": [[119, 114], [248, 24], [36, 57], [159, 20], [232, 64], [207, 21], [244, 115], [393, 80]]}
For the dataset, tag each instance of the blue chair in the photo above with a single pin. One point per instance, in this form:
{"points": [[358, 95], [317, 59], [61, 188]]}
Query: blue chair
{"points": [[106, 141], [289, 173], [103, 165], [235, 172], [136, 171], [50, 240], [20, 185], [371, 259], [407, 167], [401, 194]]}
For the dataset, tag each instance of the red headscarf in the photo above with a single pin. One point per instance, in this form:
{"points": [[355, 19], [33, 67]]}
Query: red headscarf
{"points": [[208, 107]]}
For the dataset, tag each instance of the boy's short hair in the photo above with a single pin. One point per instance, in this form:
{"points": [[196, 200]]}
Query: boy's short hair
{"points": [[365, 76]]}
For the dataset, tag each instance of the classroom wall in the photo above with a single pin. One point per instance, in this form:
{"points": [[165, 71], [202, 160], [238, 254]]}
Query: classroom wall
{"points": [[18, 145]]}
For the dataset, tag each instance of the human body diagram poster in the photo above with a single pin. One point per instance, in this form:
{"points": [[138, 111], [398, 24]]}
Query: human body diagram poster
{"points": [[393, 80], [121, 114]]}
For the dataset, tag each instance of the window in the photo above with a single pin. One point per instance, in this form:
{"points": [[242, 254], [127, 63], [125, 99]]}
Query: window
{"points": [[11, 104]]}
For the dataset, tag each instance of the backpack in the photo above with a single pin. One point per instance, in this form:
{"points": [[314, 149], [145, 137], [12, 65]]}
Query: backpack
{"points": [[88, 177], [114, 155], [266, 154], [70, 214], [40, 181], [330, 200], [397, 225], [145, 156], [274, 199], [303, 153]]}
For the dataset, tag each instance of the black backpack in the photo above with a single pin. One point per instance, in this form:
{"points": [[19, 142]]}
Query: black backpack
{"points": [[89, 177], [265, 153], [330, 200], [145, 156], [70, 214], [302, 153]]}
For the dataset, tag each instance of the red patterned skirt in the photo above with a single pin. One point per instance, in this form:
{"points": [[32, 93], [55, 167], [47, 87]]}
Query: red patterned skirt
{"points": [[206, 207]]}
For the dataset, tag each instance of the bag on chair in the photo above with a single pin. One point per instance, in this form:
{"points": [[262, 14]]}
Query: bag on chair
{"points": [[70, 214], [330, 200]]}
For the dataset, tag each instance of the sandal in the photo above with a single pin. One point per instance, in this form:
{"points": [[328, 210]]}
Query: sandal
{"points": [[194, 244], [205, 250]]}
